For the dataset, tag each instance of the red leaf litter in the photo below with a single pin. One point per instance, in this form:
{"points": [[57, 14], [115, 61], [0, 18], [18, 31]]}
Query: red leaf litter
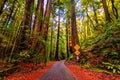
{"points": [[30, 73], [86, 74]]}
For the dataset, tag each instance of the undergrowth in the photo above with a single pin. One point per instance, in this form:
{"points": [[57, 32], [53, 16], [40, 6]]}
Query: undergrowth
{"points": [[106, 45]]}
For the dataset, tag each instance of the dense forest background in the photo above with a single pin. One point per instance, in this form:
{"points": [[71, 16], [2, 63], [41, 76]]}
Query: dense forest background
{"points": [[38, 31]]}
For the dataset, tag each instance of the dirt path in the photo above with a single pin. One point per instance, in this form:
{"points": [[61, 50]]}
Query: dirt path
{"points": [[58, 72]]}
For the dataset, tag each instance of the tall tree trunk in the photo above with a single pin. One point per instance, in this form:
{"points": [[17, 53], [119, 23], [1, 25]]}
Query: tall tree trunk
{"points": [[67, 38], [115, 11], [51, 43], [58, 34], [107, 14], [38, 23], [75, 40], [2, 3], [44, 31], [27, 17], [26, 23]]}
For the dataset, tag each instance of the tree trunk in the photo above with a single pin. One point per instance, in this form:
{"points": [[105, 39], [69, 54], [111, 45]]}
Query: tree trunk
{"points": [[58, 34], [75, 40], [107, 14], [67, 38], [51, 43], [44, 31], [38, 23], [27, 17], [115, 11], [26, 23]]}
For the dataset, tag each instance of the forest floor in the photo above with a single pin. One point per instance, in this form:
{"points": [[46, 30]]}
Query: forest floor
{"points": [[32, 72]]}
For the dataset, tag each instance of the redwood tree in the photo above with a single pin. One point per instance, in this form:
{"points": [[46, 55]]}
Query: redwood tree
{"points": [[26, 22], [75, 40], [38, 23], [58, 34], [44, 31]]}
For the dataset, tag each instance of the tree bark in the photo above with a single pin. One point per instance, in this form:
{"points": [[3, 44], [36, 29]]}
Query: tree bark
{"points": [[51, 43], [107, 14], [38, 23], [58, 34], [67, 38], [75, 40], [26, 23], [115, 11], [27, 17], [44, 31]]}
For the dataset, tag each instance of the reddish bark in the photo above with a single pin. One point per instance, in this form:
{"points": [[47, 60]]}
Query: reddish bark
{"points": [[38, 22], [44, 30], [75, 39], [27, 17]]}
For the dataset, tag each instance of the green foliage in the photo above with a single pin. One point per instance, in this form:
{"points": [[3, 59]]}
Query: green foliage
{"points": [[87, 65], [83, 60], [110, 54], [112, 67], [24, 56], [29, 56], [106, 44], [70, 57]]}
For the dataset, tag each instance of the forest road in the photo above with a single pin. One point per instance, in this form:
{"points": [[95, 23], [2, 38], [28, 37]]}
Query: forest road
{"points": [[58, 72]]}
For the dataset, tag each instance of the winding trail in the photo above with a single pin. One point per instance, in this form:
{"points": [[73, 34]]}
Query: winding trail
{"points": [[58, 72]]}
